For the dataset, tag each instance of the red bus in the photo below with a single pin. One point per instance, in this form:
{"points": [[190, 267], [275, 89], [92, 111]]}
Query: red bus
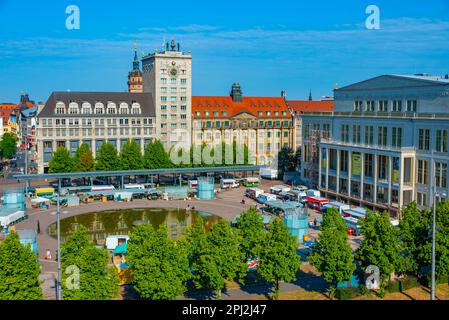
{"points": [[316, 202]]}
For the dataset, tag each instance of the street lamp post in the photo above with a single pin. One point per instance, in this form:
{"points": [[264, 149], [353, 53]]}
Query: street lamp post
{"points": [[433, 240], [58, 214], [434, 232]]}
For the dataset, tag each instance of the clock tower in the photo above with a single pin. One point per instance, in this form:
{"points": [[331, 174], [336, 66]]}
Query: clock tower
{"points": [[167, 75]]}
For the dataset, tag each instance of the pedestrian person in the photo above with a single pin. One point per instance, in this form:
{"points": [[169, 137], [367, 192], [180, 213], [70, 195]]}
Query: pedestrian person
{"points": [[38, 227]]}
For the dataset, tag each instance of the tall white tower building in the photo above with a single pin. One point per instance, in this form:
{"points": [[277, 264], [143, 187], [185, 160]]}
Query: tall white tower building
{"points": [[168, 77]]}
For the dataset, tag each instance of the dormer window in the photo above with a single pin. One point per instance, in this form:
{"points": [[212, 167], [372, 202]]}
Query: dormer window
{"points": [[99, 108], [60, 108], [135, 108], [112, 108], [123, 108], [86, 108], [73, 108]]}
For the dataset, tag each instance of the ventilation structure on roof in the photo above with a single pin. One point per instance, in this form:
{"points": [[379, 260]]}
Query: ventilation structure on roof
{"points": [[446, 77]]}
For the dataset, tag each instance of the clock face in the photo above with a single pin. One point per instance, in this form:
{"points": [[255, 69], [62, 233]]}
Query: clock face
{"points": [[173, 72]]}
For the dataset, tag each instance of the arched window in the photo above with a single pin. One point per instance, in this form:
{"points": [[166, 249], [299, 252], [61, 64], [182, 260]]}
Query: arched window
{"points": [[112, 108], [135, 108], [73, 108], [60, 108], [99, 108], [86, 108], [123, 108]]}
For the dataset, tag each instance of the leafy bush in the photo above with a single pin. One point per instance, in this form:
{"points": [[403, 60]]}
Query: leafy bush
{"points": [[346, 293], [393, 287], [408, 283], [426, 280]]}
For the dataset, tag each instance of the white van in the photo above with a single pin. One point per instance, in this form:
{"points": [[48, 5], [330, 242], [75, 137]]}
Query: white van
{"points": [[313, 193], [135, 186], [102, 188], [341, 207], [193, 184], [115, 240], [266, 197], [229, 184], [279, 189]]}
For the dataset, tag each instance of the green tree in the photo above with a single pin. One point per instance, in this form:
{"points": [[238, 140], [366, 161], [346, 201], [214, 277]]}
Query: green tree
{"points": [[97, 280], [8, 145], [160, 265], [61, 161], [107, 158], [83, 159], [380, 246], [332, 254], [278, 260], [251, 227], [415, 237], [131, 157], [155, 156], [286, 160], [19, 271], [218, 258]]}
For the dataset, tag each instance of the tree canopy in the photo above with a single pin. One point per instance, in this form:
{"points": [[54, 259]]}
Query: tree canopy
{"points": [[19, 271], [131, 157], [278, 260], [61, 161], [155, 156], [217, 257], [107, 158], [83, 159], [8, 145], [97, 280], [332, 255], [160, 265], [380, 246], [251, 227]]}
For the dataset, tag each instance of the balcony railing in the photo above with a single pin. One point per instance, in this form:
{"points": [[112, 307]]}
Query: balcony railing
{"points": [[367, 146]]}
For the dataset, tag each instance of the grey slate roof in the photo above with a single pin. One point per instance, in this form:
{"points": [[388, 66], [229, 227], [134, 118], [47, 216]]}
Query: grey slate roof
{"points": [[144, 99]]}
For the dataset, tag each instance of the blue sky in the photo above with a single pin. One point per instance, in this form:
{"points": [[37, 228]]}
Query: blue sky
{"points": [[266, 46]]}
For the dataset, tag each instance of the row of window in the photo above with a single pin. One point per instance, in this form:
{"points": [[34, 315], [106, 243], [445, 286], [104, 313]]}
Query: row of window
{"points": [[173, 90], [440, 173], [224, 124], [99, 108], [386, 105], [173, 99], [173, 108], [183, 125], [97, 122], [382, 135], [87, 132], [74, 144], [173, 81], [173, 116]]}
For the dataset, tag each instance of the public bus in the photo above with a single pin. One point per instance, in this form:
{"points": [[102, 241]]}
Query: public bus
{"points": [[357, 213], [316, 202], [354, 228], [251, 182]]}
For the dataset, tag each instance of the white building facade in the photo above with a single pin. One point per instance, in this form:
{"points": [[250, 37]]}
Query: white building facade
{"points": [[70, 119], [168, 77], [384, 146]]}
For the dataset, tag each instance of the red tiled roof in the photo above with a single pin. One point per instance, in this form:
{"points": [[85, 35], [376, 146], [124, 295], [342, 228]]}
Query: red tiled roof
{"points": [[251, 105], [6, 109], [299, 106]]}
